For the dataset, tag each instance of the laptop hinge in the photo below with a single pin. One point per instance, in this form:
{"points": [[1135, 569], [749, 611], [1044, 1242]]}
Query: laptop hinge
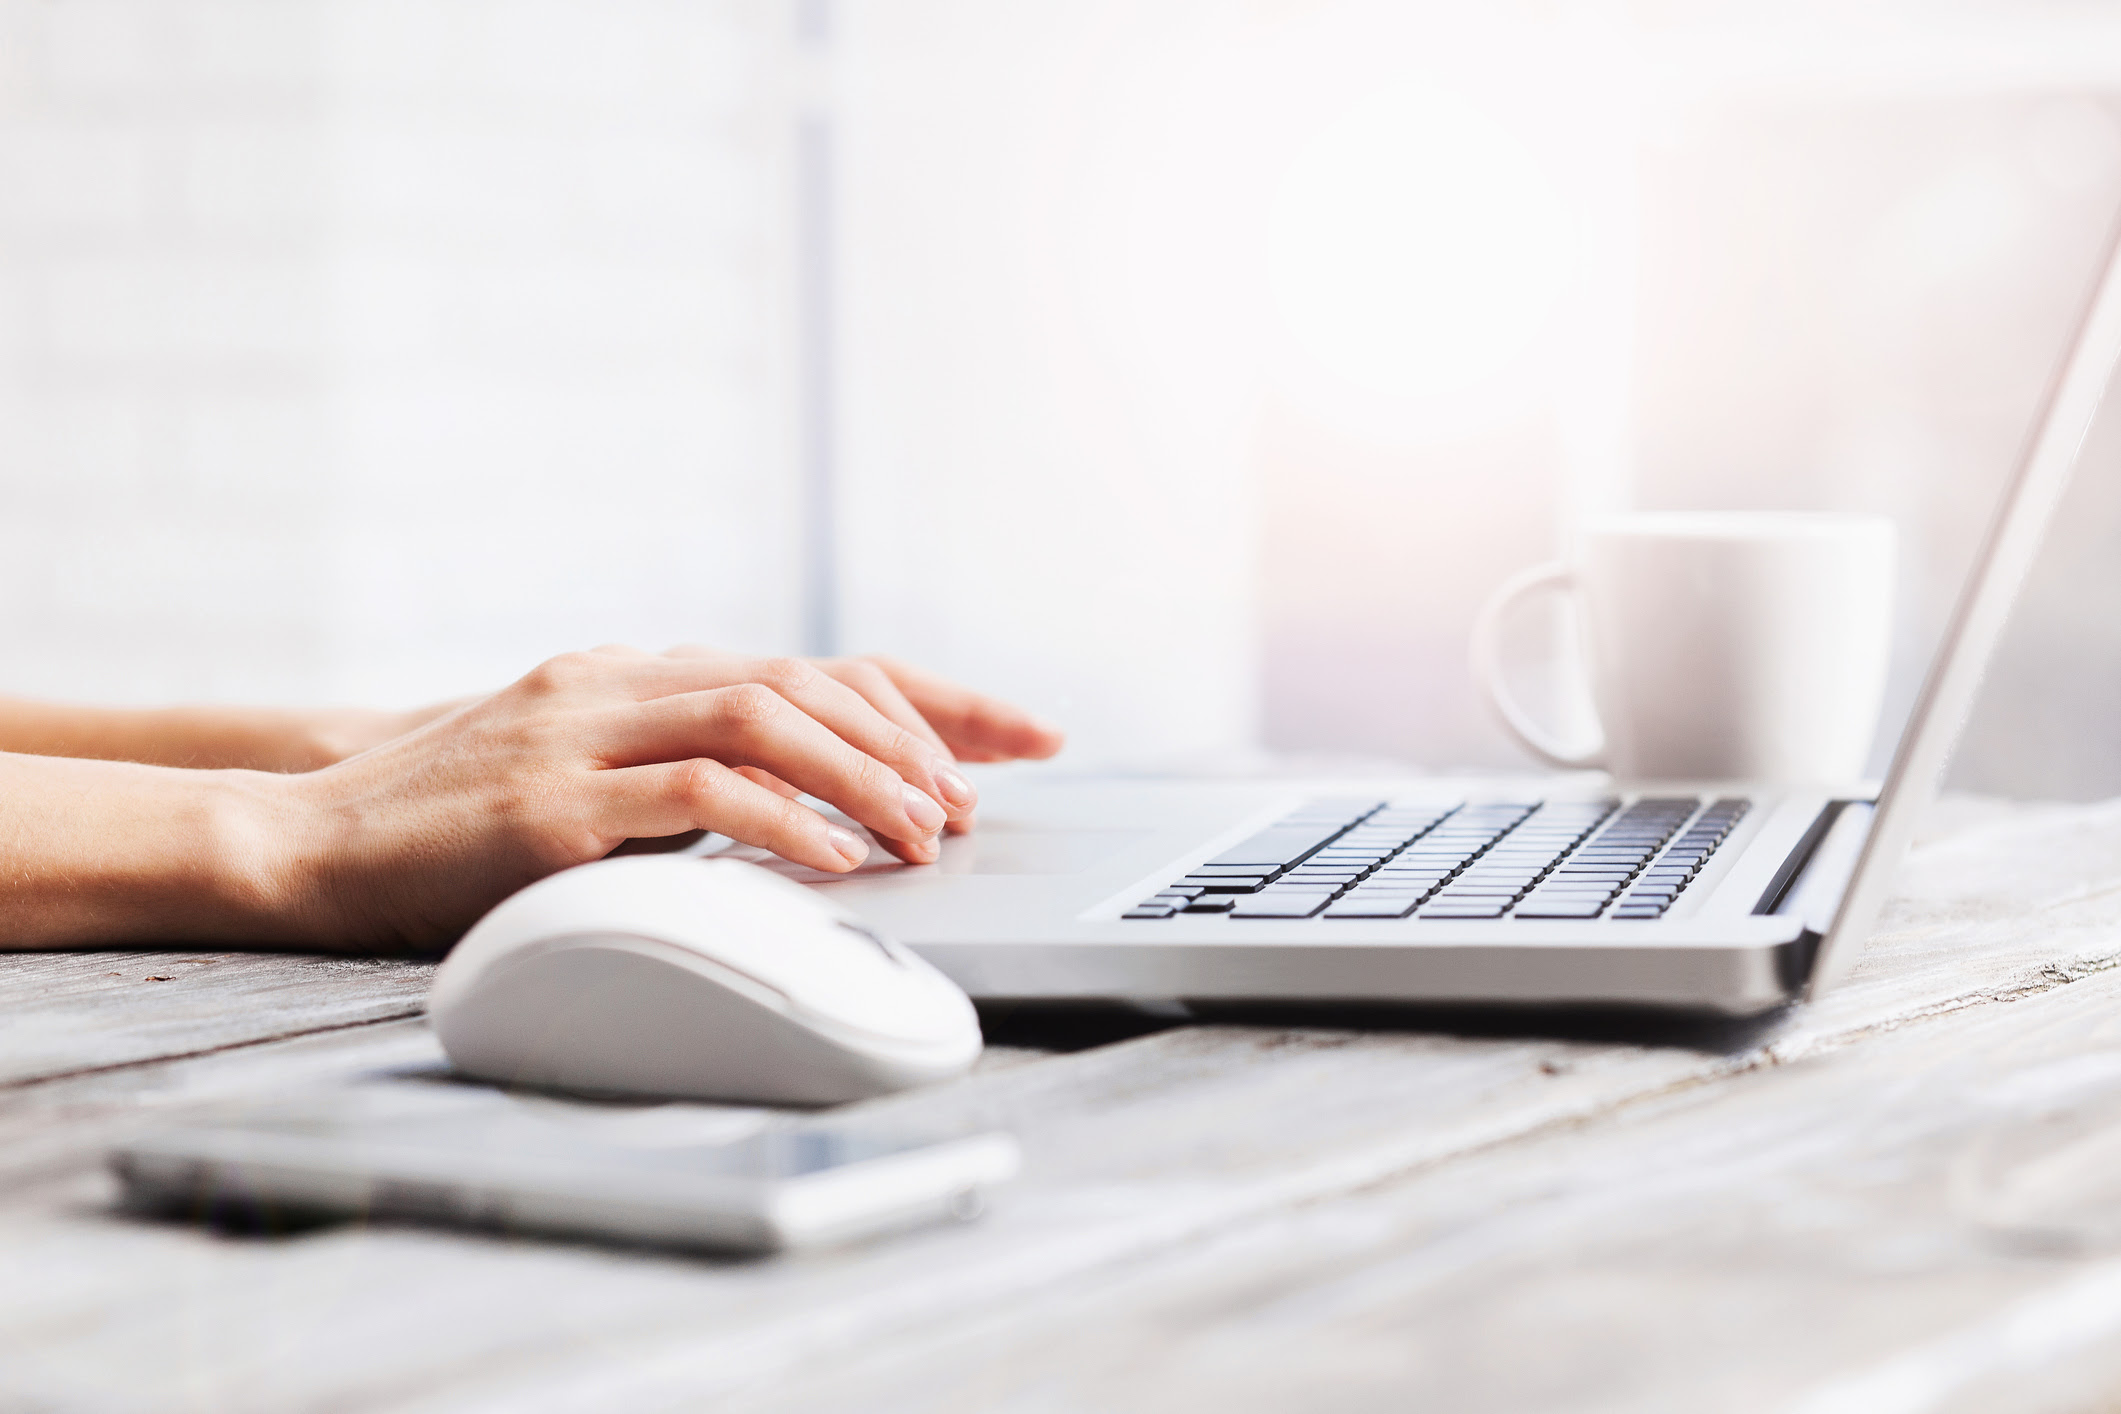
{"points": [[1785, 876], [1822, 873]]}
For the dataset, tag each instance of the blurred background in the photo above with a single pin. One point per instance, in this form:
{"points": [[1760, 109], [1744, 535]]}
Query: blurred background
{"points": [[1188, 370]]}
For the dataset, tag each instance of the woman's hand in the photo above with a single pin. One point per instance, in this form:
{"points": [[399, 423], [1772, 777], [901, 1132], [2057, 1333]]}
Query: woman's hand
{"points": [[408, 842], [958, 723]]}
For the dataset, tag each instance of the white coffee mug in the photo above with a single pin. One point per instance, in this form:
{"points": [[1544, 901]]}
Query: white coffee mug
{"points": [[1721, 645]]}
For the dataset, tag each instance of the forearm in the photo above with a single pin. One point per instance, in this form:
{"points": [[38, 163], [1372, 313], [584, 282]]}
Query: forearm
{"points": [[112, 852], [251, 738]]}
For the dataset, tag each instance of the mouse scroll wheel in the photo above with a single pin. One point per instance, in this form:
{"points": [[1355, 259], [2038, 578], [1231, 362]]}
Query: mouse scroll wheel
{"points": [[883, 945]]}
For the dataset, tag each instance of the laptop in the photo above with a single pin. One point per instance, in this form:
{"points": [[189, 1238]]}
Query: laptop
{"points": [[1724, 897]]}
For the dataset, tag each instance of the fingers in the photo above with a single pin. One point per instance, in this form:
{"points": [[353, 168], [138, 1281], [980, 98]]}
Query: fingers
{"points": [[900, 739], [750, 725], [769, 781], [670, 797], [879, 691], [975, 727], [913, 852]]}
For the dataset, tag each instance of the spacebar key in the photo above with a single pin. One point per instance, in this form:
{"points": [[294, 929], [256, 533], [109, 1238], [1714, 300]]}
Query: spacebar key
{"points": [[1294, 904], [1274, 848]]}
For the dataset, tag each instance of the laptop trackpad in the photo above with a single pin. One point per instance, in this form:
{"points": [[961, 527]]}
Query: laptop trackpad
{"points": [[997, 848], [994, 847]]}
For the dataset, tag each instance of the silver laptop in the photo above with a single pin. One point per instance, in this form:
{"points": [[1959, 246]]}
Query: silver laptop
{"points": [[1729, 897]]}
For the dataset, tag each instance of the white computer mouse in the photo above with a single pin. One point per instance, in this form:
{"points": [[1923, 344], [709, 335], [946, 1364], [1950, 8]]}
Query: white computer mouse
{"points": [[707, 979]]}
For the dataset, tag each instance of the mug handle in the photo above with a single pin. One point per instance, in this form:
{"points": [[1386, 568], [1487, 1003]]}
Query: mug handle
{"points": [[1487, 667]]}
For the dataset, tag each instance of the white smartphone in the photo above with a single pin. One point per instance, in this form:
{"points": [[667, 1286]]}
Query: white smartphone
{"points": [[668, 1175]]}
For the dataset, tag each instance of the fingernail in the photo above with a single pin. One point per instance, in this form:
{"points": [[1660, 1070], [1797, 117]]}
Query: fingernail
{"points": [[848, 844], [926, 815], [955, 788]]}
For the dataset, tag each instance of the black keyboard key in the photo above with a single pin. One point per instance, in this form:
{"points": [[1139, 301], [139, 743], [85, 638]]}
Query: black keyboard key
{"points": [[1359, 858]]}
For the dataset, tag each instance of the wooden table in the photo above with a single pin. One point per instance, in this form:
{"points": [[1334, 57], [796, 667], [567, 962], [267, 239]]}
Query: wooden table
{"points": [[1905, 1198]]}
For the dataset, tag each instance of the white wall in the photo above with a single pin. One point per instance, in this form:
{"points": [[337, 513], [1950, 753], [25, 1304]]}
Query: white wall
{"points": [[372, 350], [1045, 443]]}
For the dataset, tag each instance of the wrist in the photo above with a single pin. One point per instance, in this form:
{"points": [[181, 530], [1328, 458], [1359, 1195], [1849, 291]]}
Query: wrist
{"points": [[265, 863]]}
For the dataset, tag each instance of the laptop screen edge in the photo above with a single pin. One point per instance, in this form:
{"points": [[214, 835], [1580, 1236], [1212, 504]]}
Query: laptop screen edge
{"points": [[2029, 503]]}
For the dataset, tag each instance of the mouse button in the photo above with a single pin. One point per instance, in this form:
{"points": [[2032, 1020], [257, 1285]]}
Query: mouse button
{"points": [[888, 1000], [720, 971], [875, 939]]}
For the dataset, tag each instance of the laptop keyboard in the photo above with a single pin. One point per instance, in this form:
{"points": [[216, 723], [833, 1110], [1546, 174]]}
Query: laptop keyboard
{"points": [[1564, 859]]}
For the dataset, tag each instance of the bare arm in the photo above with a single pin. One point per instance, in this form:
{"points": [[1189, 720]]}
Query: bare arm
{"points": [[255, 738], [405, 844], [115, 852]]}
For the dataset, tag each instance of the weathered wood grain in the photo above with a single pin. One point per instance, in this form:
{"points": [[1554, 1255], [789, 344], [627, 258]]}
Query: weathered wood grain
{"points": [[1921, 1222], [1150, 1162], [79, 1011]]}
